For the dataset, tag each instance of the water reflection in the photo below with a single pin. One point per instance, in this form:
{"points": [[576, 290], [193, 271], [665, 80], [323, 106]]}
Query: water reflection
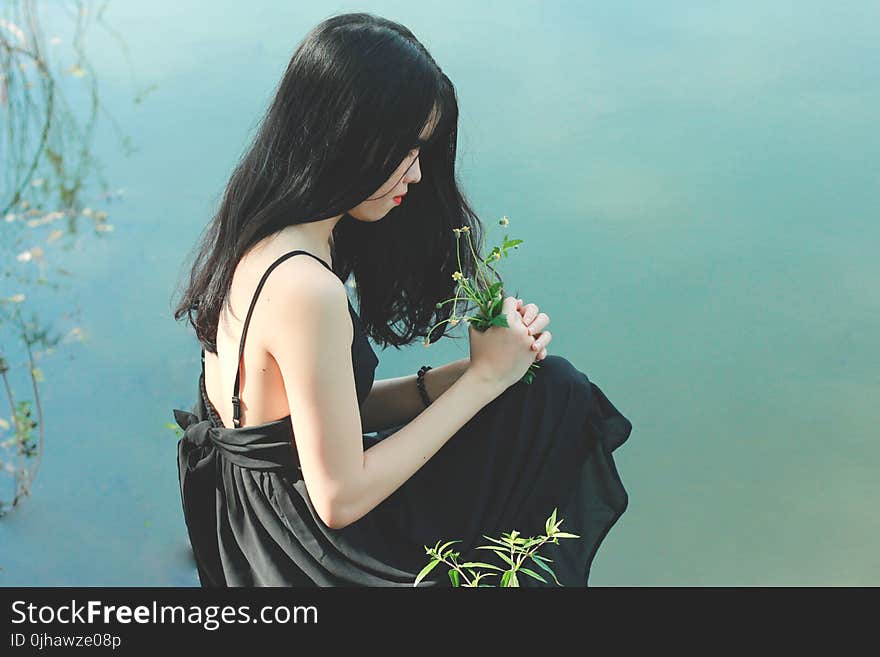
{"points": [[51, 189]]}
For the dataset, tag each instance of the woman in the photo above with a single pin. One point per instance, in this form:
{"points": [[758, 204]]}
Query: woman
{"points": [[353, 170]]}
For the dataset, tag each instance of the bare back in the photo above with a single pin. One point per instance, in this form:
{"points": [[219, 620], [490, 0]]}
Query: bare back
{"points": [[261, 386]]}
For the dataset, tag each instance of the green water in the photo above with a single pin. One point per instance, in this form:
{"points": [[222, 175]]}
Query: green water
{"points": [[697, 189]]}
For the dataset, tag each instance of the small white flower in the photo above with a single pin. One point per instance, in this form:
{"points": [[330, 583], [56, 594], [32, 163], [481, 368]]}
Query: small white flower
{"points": [[14, 29], [75, 334], [24, 256], [75, 70]]}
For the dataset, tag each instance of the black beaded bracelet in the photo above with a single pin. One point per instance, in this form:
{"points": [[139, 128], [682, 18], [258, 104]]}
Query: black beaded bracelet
{"points": [[420, 380]]}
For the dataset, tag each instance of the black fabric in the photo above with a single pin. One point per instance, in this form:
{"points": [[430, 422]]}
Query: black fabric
{"points": [[535, 447]]}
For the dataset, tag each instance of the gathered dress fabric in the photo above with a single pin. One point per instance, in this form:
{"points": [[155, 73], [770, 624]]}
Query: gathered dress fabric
{"points": [[535, 447]]}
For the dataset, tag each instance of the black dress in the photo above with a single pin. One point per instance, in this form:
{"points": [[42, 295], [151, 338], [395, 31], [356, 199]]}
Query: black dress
{"points": [[535, 447]]}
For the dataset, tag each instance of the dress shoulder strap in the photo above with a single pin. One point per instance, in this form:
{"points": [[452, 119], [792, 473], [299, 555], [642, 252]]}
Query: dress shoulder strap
{"points": [[236, 402]]}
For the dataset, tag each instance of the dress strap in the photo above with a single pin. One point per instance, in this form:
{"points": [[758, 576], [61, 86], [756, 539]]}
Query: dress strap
{"points": [[236, 402]]}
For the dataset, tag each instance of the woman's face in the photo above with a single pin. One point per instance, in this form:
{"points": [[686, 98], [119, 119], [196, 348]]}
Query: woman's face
{"points": [[408, 172]]}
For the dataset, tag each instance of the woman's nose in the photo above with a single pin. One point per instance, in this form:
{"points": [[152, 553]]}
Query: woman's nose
{"points": [[414, 173]]}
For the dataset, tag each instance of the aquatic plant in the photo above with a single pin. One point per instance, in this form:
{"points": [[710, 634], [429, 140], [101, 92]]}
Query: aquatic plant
{"points": [[46, 168]]}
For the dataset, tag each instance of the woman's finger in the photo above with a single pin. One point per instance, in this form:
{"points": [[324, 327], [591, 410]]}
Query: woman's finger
{"points": [[543, 354], [529, 313], [540, 323], [542, 341]]}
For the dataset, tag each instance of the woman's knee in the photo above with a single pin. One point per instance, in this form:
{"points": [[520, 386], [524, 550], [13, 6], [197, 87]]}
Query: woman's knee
{"points": [[558, 369], [559, 374]]}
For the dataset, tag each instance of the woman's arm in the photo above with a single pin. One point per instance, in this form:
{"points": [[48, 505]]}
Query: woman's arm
{"points": [[311, 342], [396, 401]]}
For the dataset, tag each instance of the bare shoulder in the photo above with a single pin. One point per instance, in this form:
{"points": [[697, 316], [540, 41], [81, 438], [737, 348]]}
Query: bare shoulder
{"points": [[301, 297], [309, 334]]}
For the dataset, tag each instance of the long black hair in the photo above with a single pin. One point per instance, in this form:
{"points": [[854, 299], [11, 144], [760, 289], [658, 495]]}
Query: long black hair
{"points": [[351, 105]]}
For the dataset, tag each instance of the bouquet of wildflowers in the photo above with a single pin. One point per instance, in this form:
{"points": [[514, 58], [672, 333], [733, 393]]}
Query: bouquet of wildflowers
{"points": [[486, 295]]}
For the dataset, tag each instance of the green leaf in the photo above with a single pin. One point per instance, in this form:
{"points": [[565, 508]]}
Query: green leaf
{"points": [[480, 564], [513, 581], [505, 578], [539, 560], [500, 552], [533, 574], [500, 320], [495, 540], [447, 544], [550, 522], [427, 569], [481, 576], [565, 535], [454, 577]]}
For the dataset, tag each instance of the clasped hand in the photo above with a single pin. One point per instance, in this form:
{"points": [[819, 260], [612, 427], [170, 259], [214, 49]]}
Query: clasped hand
{"points": [[536, 321]]}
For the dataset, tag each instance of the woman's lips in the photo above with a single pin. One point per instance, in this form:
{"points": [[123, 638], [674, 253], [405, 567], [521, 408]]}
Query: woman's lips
{"points": [[398, 199]]}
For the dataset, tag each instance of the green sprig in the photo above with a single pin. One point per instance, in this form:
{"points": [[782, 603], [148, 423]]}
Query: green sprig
{"points": [[511, 548], [487, 298]]}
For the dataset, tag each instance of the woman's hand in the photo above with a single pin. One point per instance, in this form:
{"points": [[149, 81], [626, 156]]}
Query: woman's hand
{"points": [[502, 354], [535, 321]]}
